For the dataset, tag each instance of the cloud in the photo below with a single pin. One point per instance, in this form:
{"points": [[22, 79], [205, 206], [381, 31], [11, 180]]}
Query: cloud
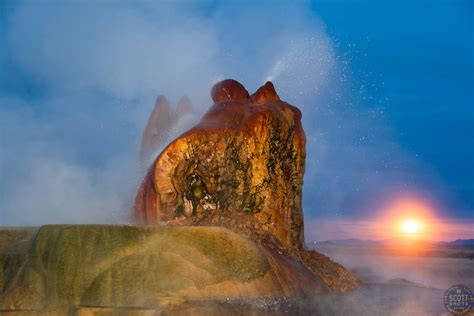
{"points": [[49, 174], [122, 50], [70, 152]]}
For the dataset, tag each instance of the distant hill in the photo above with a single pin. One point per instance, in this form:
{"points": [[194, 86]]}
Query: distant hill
{"points": [[351, 242], [461, 248], [458, 243], [364, 242]]}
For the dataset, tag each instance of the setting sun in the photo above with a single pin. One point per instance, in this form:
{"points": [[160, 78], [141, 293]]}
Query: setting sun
{"points": [[410, 226], [408, 217]]}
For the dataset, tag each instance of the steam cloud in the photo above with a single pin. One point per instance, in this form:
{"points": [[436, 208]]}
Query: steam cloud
{"points": [[70, 151]]}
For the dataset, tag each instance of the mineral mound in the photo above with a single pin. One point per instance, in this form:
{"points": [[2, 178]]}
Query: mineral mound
{"points": [[242, 168], [134, 267]]}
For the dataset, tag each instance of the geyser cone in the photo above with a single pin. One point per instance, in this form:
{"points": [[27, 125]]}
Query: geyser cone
{"points": [[241, 167]]}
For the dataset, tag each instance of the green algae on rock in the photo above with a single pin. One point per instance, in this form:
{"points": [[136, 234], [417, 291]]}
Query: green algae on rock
{"points": [[14, 243], [138, 266]]}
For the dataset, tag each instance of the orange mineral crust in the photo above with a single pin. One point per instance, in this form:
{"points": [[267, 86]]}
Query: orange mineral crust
{"points": [[240, 167], [246, 154]]}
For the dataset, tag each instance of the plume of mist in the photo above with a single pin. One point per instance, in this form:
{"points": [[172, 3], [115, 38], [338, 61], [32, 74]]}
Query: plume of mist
{"points": [[70, 152]]}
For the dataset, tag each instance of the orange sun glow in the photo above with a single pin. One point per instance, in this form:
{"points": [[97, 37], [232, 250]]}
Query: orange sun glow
{"points": [[409, 218], [410, 226]]}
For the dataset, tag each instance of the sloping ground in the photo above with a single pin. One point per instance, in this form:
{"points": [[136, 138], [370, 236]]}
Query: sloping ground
{"points": [[147, 267]]}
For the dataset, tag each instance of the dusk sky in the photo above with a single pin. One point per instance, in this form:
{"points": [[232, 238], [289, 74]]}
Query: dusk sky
{"points": [[386, 89]]}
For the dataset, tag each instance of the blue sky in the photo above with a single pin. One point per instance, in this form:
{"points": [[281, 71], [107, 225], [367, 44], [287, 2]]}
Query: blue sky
{"points": [[386, 90], [416, 58]]}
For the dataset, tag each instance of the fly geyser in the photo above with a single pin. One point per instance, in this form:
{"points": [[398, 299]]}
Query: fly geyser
{"points": [[246, 156], [241, 167], [218, 217]]}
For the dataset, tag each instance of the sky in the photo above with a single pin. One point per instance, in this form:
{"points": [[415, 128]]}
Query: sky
{"points": [[385, 87]]}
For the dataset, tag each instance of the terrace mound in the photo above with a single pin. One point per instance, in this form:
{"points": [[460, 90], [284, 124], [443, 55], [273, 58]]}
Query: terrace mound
{"points": [[146, 267]]}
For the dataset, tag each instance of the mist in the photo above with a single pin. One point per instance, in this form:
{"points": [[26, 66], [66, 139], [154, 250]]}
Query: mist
{"points": [[70, 143]]}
